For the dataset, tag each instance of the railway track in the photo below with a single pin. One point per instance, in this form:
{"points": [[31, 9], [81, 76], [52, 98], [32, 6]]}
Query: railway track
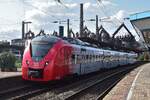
{"points": [[25, 91], [29, 94], [70, 89], [9, 82], [98, 89], [4, 94]]}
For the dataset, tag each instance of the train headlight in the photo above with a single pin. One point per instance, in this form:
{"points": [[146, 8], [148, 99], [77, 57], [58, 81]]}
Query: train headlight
{"points": [[27, 62], [46, 63]]}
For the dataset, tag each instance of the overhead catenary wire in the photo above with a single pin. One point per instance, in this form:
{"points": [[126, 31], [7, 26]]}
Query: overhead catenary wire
{"points": [[52, 16], [100, 2], [60, 2], [109, 11]]}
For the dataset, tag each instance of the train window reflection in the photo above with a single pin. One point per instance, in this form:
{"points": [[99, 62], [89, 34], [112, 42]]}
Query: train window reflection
{"points": [[40, 49]]}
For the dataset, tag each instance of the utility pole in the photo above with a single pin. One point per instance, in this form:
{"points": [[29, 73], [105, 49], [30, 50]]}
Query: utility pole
{"points": [[68, 33], [97, 27], [23, 28], [81, 20]]}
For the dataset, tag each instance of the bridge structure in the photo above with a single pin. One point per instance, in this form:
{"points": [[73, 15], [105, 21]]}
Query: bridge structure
{"points": [[141, 23]]}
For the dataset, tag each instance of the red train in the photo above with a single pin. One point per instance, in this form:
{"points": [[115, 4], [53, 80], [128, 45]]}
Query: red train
{"points": [[52, 58]]}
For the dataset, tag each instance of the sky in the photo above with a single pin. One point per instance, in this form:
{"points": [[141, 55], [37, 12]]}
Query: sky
{"points": [[42, 13]]}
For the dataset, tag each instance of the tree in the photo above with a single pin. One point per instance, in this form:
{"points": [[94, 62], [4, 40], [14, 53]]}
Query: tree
{"points": [[7, 61]]}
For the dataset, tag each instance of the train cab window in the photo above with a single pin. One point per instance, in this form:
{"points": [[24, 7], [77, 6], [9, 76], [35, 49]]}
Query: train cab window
{"points": [[41, 45], [39, 50]]}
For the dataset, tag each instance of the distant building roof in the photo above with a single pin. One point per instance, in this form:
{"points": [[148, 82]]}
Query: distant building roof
{"points": [[18, 42], [5, 42]]}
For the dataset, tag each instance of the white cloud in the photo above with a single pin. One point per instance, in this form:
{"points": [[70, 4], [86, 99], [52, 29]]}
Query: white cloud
{"points": [[31, 13], [10, 34], [43, 12], [106, 2], [73, 5], [121, 15], [87, 5]]}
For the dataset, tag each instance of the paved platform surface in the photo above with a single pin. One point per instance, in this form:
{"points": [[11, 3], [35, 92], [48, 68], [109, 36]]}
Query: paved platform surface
{"points": [[9, 74], [134, 86]]}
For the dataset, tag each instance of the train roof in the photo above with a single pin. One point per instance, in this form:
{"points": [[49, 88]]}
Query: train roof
{"points": [[46, 38], [51, 38], [78, 42]]}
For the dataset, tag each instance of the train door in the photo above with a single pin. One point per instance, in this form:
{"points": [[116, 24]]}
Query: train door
{"points": [[67, 61], [62, 62], [75, 61], [106, 59], [117, 59], [83, 65], [59, 63], [112, 59], [98, 61], [101, 58]]}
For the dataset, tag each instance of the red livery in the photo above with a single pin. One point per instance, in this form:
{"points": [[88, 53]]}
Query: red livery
{"points": [[43, 62], [52, 58]]}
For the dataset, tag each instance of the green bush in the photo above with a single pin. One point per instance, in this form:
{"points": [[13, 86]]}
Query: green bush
{"points": [[144, 57], [18, 63], [7, 60], [141, 58]]}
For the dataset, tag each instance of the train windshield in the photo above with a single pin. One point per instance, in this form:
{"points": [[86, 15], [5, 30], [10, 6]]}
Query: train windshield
{"points": [[39, 48]]}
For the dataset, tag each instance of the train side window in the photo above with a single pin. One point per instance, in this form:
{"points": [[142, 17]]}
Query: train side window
{"points": [[93, 58], [73, 59], [87, 58], [99, 57], [90, 58], [83, 59], [96, 57], [78, 59]]}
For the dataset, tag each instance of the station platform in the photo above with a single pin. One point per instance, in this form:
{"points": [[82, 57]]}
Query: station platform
{"points": [[10, 74], [134, 86]]}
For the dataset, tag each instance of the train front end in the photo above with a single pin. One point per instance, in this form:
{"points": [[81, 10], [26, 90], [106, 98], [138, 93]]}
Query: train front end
{"points": [[37, 63]]}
